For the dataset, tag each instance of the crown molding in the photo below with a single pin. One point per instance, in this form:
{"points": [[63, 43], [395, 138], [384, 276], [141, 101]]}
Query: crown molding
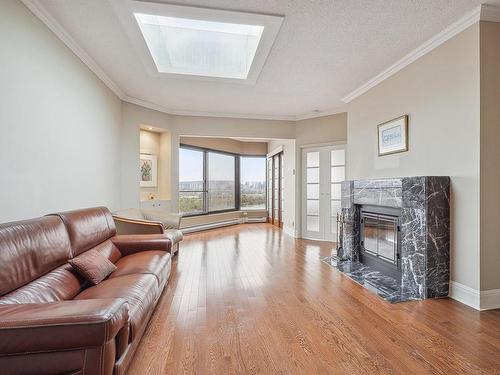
{"points": [[169, 111], [490, 13], [481, 12], [36, 7], [248, 116]]}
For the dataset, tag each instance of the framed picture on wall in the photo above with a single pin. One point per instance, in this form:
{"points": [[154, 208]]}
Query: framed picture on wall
{"points": [[393, 136], [148, 169]]}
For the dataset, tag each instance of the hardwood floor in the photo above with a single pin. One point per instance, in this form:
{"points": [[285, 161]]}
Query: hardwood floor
{"points": [[249, 299]]}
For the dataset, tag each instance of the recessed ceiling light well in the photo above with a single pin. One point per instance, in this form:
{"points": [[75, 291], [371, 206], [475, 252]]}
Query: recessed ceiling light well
{"points": [[204, 48], [202, 43]]}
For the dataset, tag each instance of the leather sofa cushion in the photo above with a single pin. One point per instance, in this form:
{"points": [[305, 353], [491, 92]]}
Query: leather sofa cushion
{"points": [[30, 249], [60, 284], [139, 290], [92, 266], [148, 262], [88, 227]]}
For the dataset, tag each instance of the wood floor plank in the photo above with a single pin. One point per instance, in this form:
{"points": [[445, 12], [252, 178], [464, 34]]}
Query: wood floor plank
{"points": [[250, 299]]}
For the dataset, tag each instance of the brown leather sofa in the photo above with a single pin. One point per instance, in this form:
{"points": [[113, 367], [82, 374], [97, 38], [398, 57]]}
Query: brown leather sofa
{"points": [[54, 322]]}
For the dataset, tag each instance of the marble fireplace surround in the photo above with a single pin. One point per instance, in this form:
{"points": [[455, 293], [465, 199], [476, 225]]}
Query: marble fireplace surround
{"points": [[425, 233]]}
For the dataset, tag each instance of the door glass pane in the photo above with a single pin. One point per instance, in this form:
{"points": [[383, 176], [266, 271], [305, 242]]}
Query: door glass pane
{"points": [[312, 191], [338, 157], [312, 159], [333, 225], [312, 223], [312, 207], [336, 191], [334, 207], [312, 175], [338, 174]]}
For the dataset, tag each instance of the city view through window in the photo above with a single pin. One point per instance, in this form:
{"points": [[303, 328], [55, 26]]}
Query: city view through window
{"points": [[253, 183], [208, 181]]}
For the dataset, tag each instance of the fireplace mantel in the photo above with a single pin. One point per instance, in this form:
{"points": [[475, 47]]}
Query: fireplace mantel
{"points": [[425, 228]]}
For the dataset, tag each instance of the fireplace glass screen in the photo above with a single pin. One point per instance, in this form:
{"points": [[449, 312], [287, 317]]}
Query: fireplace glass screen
{"points": [[380, 236]]}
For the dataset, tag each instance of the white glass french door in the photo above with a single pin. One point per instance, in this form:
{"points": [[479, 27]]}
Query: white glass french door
{"points": [[323, 170]]}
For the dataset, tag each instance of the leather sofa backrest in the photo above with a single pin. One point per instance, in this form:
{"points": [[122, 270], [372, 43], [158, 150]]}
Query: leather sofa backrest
{"points": [[61, 284], [88, 228], [30, 249]]}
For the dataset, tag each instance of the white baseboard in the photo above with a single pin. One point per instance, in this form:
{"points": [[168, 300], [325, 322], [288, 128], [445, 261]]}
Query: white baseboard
{"points": [[490, 299], [467, 295], [479, 300]]}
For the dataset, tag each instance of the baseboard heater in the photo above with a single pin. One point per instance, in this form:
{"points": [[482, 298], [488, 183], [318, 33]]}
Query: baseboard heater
{"points": [[220, 224], [255, 220]]}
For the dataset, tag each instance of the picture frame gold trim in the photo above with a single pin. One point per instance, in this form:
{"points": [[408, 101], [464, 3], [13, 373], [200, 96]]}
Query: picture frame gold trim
{"points": [[406, 138]]}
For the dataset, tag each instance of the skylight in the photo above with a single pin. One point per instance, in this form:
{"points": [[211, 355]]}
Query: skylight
{"points": [[198, 47]]}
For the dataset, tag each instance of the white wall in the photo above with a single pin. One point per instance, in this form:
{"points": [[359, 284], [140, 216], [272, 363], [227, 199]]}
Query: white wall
{"points": [[60, 126], [440, 93]]}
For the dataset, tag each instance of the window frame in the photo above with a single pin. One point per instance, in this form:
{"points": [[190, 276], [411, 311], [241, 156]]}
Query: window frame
{"points": [[204, 188], [237, 181]]}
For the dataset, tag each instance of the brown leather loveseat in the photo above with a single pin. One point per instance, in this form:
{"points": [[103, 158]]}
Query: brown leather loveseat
{"points": [[53, 321]]}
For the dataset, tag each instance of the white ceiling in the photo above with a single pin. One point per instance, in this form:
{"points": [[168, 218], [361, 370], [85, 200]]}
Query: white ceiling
{"points": [[324, 50]]}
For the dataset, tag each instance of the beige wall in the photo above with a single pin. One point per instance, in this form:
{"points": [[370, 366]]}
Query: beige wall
{"points": [[133, 117], [490, 155], [157, 144], [165, 172], [60, 125], [319, 130], [227, 145], [440, 93]]}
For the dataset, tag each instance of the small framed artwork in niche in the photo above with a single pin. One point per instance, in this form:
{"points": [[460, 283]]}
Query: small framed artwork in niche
{"points": [[148, 169], [393, 136]]}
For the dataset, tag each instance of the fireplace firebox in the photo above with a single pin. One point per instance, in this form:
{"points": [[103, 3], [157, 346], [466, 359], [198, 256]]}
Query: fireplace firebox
{"points": [[380, 239]]}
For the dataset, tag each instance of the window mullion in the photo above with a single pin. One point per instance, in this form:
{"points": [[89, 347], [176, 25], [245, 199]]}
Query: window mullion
{"points": [[205, 181]]}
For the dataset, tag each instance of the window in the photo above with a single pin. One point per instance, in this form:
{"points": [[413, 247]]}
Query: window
{"points": [[221, 182], [253, 182], [191, 181], [213, 181]]}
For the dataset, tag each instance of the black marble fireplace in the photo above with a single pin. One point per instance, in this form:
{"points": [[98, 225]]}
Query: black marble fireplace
{"points": [[396, 237]]}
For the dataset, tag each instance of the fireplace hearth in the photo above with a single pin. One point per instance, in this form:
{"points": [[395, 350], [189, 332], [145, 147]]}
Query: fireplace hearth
{"points": [[396, 236]]}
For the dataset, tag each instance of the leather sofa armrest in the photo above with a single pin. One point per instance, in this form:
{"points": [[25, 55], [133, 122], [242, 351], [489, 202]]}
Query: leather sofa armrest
{"points": [[134, 243], [55, 326], [136, 226], [168, 220]]}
